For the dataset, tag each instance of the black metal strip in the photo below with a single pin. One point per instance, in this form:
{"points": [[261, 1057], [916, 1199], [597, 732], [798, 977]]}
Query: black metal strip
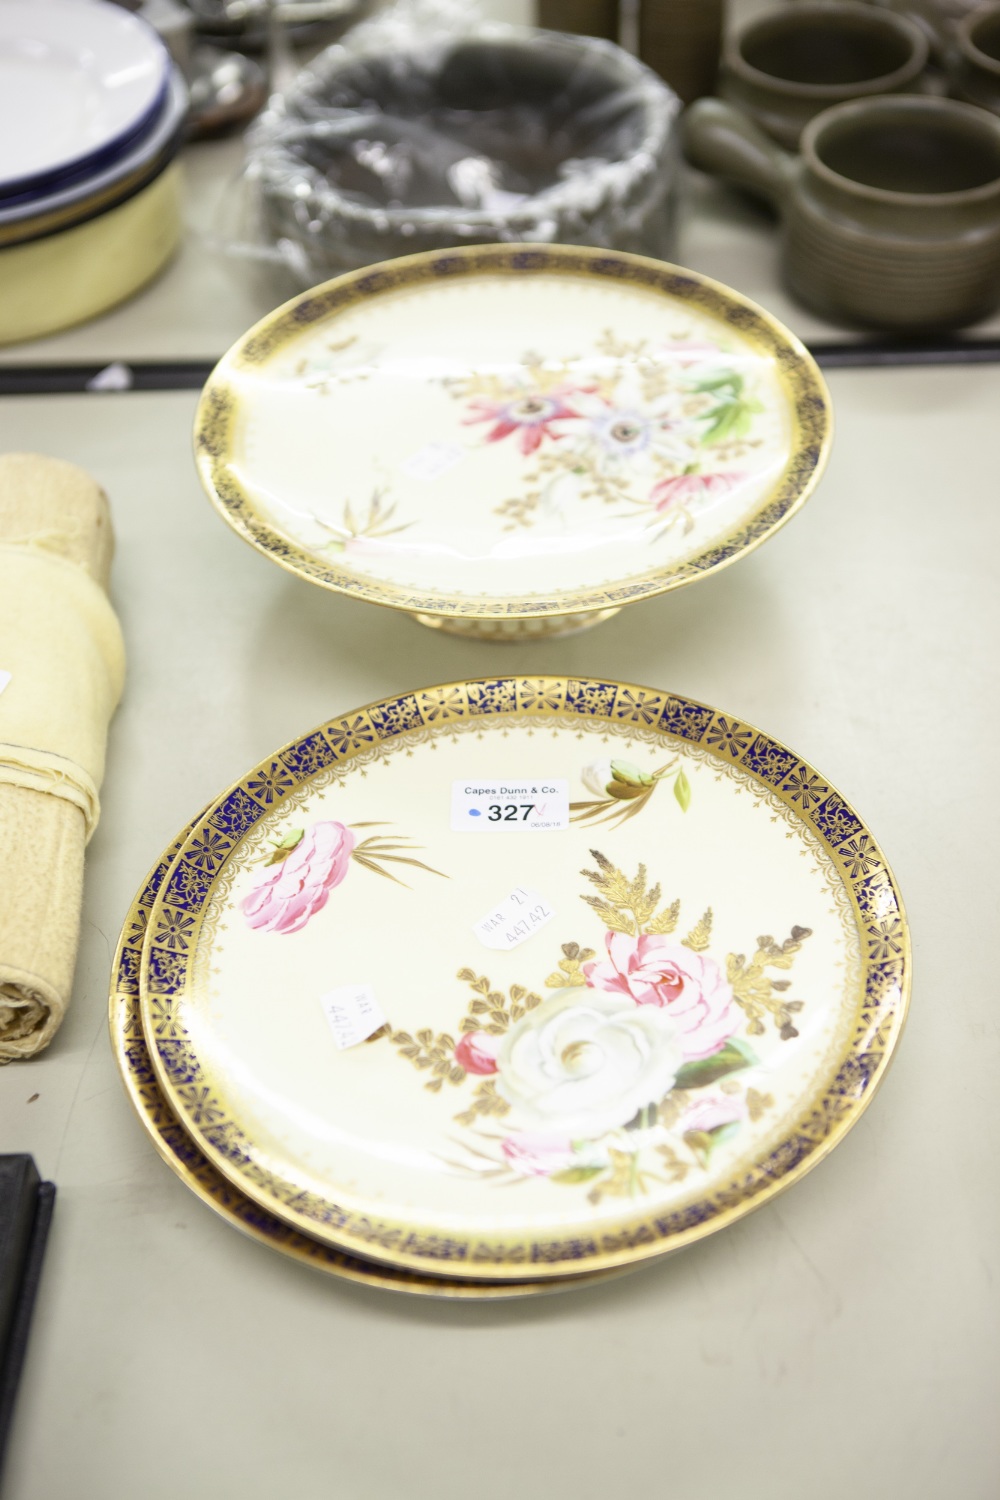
{"points": [[190, 374], [105, 379], [889, 353]]}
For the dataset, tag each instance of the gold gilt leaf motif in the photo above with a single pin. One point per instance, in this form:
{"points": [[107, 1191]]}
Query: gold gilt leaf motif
{"points": [[675, 1168], [569, 974], [491, 1011], [758, 1104], [698, 938], [624, 1178], [427, 1051], [757, 992], [625, 905], [664, 924], [485, 1101]]}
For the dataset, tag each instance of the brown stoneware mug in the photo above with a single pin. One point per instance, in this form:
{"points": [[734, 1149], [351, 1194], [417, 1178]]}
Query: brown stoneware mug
{"points": [[891, 214], [788, 65], [973, 59], [937, 18]]}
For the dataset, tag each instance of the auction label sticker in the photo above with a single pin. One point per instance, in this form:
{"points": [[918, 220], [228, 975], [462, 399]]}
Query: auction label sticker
{"points": [[509, 806], [513, 920], [353, 1013]]}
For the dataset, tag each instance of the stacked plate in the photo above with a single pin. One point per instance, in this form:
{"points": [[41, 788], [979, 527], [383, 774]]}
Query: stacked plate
{"points": [[91, 117], [506, 985]]}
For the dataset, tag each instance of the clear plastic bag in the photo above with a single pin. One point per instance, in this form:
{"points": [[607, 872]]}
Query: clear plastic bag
{"points": [[421, 131]]}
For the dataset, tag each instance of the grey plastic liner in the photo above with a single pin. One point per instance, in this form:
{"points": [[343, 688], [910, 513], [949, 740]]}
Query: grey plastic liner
{"points": [[418, 132]]}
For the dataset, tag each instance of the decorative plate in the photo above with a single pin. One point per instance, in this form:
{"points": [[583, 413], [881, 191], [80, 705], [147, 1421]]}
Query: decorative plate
{"points": [[526, 976], [499, 435], [79, 82], [192, 1167]]}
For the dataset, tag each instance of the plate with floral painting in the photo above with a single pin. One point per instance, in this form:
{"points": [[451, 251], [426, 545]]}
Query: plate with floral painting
{"points": [[523, 977], [512, 440], [193, 1168]]}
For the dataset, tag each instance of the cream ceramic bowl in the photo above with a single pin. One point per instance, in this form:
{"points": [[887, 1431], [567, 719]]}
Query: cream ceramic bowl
{"points": [[68, 277], [512, 441]]}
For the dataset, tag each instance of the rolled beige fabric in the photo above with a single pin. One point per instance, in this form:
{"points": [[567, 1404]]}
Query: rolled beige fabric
{"points": [[62, 667]]}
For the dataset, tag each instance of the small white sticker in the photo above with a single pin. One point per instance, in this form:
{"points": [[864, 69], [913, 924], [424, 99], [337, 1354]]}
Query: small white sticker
{"points": [[4, 680], [433, 461], [509, 806], [353, 1013], [514, 919]]}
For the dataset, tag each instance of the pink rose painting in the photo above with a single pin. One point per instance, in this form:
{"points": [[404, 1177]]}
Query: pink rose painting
{"points": [[689, 986], [301, 884], [310, 863]]}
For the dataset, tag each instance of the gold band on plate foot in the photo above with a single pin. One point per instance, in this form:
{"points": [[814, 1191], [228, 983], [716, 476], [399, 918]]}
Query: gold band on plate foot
{"points": [[541, 627]]}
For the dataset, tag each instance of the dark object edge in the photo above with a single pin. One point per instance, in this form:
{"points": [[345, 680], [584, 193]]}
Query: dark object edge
{"points": [[17, 1343]]}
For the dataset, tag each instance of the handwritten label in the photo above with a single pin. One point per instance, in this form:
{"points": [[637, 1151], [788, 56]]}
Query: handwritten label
{"points": [[433, 461], [353, 1013], [4, 679], [513, 920], [509, 806]]}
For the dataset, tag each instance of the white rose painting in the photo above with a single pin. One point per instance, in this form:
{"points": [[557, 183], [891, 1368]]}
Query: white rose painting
{"points": [[638, 1066]]}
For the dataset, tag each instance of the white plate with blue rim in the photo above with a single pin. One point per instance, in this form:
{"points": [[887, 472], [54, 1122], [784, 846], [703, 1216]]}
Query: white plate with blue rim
{"points": [[28, 216], [80, 81]]}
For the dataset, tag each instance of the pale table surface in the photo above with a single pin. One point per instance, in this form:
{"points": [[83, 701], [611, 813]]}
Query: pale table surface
{"points": [[842, 1340]]}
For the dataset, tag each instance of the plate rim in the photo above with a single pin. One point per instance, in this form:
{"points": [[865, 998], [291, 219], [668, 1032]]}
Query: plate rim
{"points": [[762, 1183], [811, 406]]}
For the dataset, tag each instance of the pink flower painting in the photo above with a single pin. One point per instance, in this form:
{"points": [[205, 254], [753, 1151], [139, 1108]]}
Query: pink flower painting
{"points": [[711, 1111], [530, 416], [689, 986], [686, 489], [301, 884], [477, 1052], [532, 1154]]}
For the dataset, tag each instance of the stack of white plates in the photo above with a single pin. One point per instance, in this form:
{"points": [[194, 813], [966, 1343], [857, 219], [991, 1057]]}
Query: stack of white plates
{"points": [[91, 116]]}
